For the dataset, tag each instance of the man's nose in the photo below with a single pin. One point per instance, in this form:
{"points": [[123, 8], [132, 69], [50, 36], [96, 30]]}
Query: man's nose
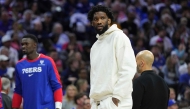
{"points": [[23, 46], [99, 21]]}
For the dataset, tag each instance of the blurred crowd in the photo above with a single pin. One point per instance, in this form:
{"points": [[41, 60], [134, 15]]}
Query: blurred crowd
{"points": [[66, 35]]}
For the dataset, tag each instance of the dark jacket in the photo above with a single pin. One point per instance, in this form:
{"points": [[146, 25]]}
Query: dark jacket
{"points": [[150, 92], [7, 103]]}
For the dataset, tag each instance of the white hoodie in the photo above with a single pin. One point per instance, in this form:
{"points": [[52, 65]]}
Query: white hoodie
{"points": [[113, 65]]}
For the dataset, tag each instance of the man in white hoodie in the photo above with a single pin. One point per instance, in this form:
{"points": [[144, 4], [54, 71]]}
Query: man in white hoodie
{"points": [[113, 64]]}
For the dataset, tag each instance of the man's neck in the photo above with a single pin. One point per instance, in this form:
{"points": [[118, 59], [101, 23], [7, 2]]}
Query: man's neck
{"points": [[33, 56], [146, 69]]}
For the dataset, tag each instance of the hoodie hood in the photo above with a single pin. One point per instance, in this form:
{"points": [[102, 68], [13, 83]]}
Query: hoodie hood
{"points": [[110, 30]]}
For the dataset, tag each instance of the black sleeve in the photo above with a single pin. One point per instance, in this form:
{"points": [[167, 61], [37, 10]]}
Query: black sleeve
{"points": [[137, 94]]}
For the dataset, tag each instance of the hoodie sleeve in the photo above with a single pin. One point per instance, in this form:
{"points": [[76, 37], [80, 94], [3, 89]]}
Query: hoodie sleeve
{"points": [[126, 66]]}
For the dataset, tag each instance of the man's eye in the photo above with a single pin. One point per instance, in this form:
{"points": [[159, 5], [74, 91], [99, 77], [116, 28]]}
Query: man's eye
{"points": [[95, 19]]}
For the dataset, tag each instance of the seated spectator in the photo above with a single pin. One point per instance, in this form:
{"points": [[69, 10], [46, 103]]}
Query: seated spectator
{"points": [[58, 36], [169, 22], [48, 22], [4, 92], [170, 70], [130, 24], [183, 68], [17, 29], [82, 86], [13, 53], [139, 45], [83, 74], [184, 103], [172, 104], [176, 40], [79, 101], [172, 94], [188, 49], [184, 80], [68, 100], [26, 22], [58, 62], [180, 52], [73, 42], [166, 41], [87, 104], [83, 6], [38, 31], [159, 59], [5, 23], [70, 74]]}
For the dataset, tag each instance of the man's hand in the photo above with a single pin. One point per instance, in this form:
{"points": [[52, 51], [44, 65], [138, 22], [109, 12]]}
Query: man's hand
{"points": [[115, 101]]}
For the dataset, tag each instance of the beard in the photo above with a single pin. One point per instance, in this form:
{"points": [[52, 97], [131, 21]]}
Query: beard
{"points": [[138, 70], [102, 30]]}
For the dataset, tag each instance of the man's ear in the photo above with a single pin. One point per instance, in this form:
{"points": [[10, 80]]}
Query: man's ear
{"points": [[109, 21], [142, 63], [35, 44]]}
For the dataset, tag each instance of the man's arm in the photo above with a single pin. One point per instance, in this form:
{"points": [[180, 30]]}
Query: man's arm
{"points": [[137, 94], [55, 82], [126, 67], [17, 96]]}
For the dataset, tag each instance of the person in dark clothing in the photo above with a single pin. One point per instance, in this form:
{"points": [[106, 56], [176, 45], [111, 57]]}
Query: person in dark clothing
{"points": [[4, 92], [149, 90]]}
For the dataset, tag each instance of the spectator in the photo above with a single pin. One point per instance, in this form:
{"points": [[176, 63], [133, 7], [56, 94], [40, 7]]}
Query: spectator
{"points": [[129, 24], [83, 74], [139, 46], [58, 62], [48, 22], [166, 41], [3, 69], [70, 74], [38, 31], [169, 23], [79, 101], [73, 42], [5, 23], [83, 6], [17, 29], [58, 36], [87, 104], [26, 22], [184, 80], [35, 9], [68, 100], [4, 92], [159, 59], [180, 52], [172, 104], [171, 73], [4, 63], [82, 86], [172, 94], [188, 50], [13, 53], [176, 39]]}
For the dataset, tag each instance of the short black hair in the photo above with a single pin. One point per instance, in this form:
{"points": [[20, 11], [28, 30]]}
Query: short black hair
{"points": [[31, 36], [101, 8]]}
